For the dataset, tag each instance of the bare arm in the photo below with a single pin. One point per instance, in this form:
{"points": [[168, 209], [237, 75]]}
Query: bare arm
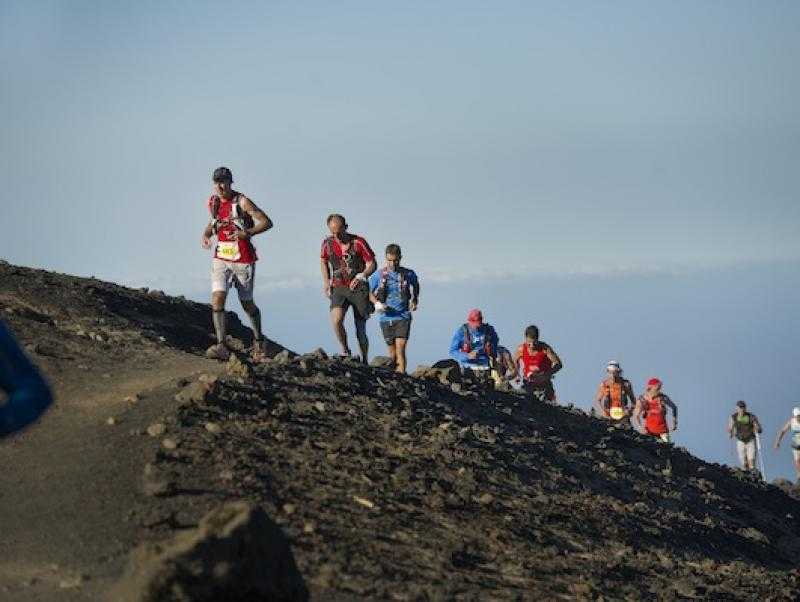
{"points": [[415, 295], [554, 360], [730, 427], [261, 220], [671, 405], [599, 397], [324, 268], [782, 432]]}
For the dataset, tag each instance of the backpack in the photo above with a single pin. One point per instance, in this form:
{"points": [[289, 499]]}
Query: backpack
{"points": [[240, 219], [382, 292], [350, 261], [487, 345], [745, 431]]}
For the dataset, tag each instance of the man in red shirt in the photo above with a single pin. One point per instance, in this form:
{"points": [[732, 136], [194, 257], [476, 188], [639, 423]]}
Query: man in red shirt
{"points": [[346, 262], [235, 219]]}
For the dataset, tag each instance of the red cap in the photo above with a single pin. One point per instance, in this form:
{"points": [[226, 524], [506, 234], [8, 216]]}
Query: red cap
{"points": [[475, 316], [653, 382]]}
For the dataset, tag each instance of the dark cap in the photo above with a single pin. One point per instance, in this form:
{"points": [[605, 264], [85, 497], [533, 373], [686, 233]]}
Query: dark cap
{"points": [[741, 404], [222, 174]]}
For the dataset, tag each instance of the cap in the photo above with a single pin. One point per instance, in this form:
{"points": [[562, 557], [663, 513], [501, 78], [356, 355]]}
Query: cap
{"points": [[741, 404], [475, 316], [222, 174], [796, 412], [613, 366], [653, 382]]}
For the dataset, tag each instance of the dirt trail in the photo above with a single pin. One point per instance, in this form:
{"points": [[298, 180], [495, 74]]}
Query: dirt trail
{"points": [[68, 484]]}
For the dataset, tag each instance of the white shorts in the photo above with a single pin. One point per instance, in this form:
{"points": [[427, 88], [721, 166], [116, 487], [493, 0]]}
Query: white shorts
{"points": [[747, 452], [225, 274]]}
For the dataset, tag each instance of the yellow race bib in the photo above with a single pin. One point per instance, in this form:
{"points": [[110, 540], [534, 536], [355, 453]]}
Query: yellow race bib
{"points": [[228, 250], [617, 413]]}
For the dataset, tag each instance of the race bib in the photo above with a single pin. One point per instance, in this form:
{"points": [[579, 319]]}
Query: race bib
{"points": [[228, 250], [617, 413]]}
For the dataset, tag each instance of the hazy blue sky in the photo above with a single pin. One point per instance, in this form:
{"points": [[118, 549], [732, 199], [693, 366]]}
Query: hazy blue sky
{"points": [[624, 174]]}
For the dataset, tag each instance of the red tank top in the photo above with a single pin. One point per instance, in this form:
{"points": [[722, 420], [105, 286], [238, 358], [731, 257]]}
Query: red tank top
{"points": [[237, 251], [538, 359], [656, 419]]}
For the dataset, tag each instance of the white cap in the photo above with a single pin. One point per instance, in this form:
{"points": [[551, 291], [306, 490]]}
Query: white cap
{"points": [[796, 412], [613, 365]]}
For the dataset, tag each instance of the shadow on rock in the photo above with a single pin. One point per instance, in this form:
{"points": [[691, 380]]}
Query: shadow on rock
{"points": [[236, 553]]}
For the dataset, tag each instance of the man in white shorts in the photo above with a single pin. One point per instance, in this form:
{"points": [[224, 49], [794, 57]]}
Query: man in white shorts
{"points": [[745, 427], [793, 425], [235, 219]]}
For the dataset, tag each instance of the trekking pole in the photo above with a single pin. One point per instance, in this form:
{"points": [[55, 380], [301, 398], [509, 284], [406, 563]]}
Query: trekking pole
{"points": [[760, 457]]}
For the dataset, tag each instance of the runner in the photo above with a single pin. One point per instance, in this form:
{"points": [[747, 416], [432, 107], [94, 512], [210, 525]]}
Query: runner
{"points": [[793, 424], [615, 398], [27, 392], [474, 346], [235, 219], [539, 364], [395, 292], [506, 367], [346, 262], [652, 409], [746, 427]]}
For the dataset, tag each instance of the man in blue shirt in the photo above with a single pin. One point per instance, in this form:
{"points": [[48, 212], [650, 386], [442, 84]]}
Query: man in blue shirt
{"points": [[394, 291], [474, 345], [28, 394]]}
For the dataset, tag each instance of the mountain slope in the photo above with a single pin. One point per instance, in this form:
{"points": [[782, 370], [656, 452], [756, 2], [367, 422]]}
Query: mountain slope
{"points": [[386, 486]]}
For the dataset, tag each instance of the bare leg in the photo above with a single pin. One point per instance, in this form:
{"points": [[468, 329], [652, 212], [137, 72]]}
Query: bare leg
{"points": [[337, 321], [392, 353], [797, 467], [254, 314], [400, 362], [361, 335]]}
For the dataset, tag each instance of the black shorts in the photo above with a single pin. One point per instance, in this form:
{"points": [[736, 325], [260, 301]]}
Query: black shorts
{"points": [[396, 329], [342, 296]]}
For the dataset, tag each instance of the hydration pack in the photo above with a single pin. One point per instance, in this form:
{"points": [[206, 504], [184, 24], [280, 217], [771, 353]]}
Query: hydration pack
{"points": [[349, 263], [241, 220], [487, 345], [382, 292]]}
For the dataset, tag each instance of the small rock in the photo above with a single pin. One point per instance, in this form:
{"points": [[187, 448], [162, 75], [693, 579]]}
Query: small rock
{"points": [[157, 429], [289, 508], [364, 502], [283, 357], [111, 421], [381, 361], [169, 443], [486, 499], [308, 528], [213, 428], [320, 407], [132, 398]]}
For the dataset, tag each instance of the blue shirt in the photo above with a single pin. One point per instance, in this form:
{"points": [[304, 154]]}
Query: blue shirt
{"points": [[477, 337], [396, 306], [28, 394]]}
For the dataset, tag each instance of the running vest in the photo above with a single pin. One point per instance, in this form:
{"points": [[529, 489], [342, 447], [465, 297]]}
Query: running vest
{"points": [[348, 264], [538, 359], [487, 345], [655, 415], [795, 426], [382, 292], [226, 218], [614, 397], [744, 426]]}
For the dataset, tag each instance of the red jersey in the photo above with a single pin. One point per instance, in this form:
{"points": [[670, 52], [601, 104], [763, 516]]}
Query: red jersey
{"points": [[655, 422], [229, 218], [533, 361], [346, 263]]}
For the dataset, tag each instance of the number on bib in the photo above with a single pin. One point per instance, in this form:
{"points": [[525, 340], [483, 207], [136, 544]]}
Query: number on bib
{"points": [[228, 250]]}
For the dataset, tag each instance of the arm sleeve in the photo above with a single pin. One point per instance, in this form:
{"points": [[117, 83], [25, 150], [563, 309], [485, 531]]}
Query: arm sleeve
{"points": [[323, 253], [455, 347], [28, 394]]}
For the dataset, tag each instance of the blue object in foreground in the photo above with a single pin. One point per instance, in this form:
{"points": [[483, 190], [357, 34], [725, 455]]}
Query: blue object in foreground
{"points": [[28, 393]]}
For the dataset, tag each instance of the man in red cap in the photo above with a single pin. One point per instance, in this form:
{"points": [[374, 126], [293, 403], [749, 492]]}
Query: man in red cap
{"points": [[651, 411], [474, 345]]}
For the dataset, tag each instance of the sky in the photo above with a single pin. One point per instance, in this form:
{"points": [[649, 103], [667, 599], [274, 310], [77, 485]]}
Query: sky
{"points": [[623, 174]]}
